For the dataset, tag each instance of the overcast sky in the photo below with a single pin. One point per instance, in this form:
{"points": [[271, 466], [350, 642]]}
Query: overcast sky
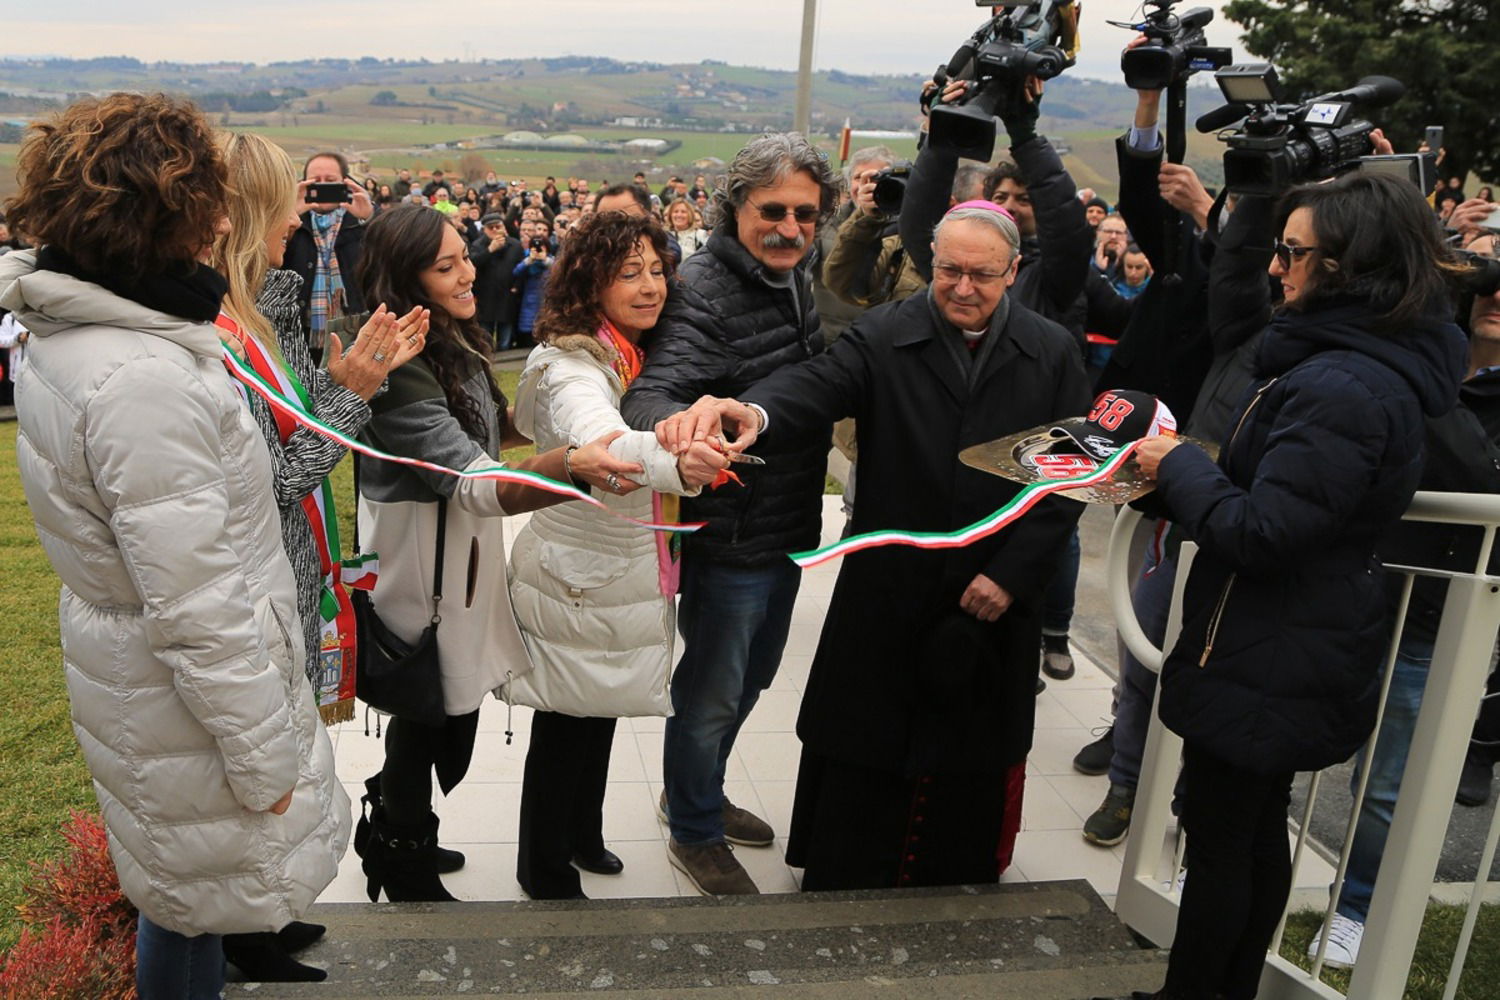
{"points": [[862, 36]]}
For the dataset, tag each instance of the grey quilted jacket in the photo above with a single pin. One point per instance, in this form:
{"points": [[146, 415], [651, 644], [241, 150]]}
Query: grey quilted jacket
{"points": [[151, 490]]}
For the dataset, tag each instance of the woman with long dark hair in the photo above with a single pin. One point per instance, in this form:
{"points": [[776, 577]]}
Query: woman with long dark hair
{"points": [[592, 593], [1284, 621], [443, 407]]}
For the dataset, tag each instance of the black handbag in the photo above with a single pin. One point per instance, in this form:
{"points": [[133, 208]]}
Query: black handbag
{"points": [[390, 675]]}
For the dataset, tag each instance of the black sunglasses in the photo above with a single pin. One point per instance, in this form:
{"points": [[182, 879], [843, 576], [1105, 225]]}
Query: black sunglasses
{"points": [[1285, 252], [775, 212]]}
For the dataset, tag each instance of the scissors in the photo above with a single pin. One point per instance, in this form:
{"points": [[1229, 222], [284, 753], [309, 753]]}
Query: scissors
{"points": [[735, 456]]}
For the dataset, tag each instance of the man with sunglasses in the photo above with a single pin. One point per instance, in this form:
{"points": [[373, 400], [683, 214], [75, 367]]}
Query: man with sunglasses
{"points": [[742, 309], [918, 712]]}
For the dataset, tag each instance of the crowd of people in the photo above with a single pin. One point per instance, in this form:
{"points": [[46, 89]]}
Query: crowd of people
{"points": [[696, 352]]}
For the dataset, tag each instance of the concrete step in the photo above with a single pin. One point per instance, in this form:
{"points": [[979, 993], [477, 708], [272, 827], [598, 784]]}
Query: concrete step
{"points": [[1043, 941]]}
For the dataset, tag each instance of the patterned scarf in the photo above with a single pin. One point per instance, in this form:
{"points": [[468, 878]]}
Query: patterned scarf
{"points": [[665, 507], [328, 284]]}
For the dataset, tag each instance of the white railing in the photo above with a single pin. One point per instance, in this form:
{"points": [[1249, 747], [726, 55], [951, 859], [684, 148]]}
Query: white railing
{"points": [[1148, 894]]}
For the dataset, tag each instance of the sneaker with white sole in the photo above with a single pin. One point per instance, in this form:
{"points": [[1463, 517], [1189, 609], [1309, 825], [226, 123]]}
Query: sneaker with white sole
{"points": [[741, 826], [712, 868], [1344, 936]]}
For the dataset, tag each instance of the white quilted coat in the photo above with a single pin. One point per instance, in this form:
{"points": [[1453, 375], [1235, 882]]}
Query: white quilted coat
{"points": [[585, 585], [151, 489]]}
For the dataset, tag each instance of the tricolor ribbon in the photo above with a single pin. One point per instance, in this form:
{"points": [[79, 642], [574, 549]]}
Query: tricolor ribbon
{"points": [[1005, 516], [500, 473]]}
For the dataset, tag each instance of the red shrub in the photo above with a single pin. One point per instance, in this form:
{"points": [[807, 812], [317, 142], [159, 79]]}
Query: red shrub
{"points": [[79, 943], [80, 886], [62, 961]]}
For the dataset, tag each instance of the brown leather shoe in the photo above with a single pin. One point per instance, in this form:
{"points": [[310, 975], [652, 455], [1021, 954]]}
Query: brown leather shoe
{"points": [[712, 868], [741, 826]]}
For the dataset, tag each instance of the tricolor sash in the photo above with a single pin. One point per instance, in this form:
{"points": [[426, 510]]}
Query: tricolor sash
{"points": [[333, 678]]}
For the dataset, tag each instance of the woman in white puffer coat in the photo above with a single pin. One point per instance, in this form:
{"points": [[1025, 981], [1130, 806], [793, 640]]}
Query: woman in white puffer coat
{"points": [[151, 489], [592, 592]]}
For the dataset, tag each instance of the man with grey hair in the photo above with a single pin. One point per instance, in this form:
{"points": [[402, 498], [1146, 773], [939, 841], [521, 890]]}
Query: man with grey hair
{"points": [[917, 715], [834, 311], [743, 309]]}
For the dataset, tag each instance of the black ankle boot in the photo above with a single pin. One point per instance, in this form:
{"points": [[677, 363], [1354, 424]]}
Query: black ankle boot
{"points": [[399, 860], [262, 959], [299, 934], [372, 811]]}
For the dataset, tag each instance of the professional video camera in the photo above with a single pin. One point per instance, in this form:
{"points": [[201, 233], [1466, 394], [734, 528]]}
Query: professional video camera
{"points": [[1175, 49], [1278, 145], [1027, 38]]}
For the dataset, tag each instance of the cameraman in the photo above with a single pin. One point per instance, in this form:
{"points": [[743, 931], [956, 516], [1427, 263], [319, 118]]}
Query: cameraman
{"points": [[835, 309], [1056, 241]]}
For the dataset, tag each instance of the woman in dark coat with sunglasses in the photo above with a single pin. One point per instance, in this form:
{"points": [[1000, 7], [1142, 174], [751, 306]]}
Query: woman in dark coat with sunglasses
{"points": [[1284, 621]]}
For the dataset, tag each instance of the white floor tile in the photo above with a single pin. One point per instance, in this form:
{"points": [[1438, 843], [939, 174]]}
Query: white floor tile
{"points": [[768, 756], [1044, 809], [647, 872], [630, 813], [479, 812], [1050, 714], [1081, 792], [1052, 750], [1091, 707], [775, 712], [776, 799], [1046, 855]]}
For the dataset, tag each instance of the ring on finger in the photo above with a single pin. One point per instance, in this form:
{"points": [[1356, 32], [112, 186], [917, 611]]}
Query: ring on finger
{"points": [[613, 481], [378, 356]]}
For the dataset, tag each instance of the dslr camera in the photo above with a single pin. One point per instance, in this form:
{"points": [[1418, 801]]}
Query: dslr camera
{"points": [[1482, 274], [1175, 49], [1278, 145], [1027, 38], [890, 187], [538, 243]]}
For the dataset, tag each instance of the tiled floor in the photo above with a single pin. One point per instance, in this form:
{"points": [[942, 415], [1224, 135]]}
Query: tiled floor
{"points": [[480, 818]]}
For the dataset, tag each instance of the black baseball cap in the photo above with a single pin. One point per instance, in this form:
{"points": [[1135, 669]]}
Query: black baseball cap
{"points": [[1118, 417]]}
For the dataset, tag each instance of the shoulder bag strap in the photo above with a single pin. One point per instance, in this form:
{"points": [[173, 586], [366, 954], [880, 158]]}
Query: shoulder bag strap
{"points": [[437, 563]]}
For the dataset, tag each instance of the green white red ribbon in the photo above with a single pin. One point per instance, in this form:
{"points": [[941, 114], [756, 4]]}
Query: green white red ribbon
{"points": [[1005, 516], [500, 473]]}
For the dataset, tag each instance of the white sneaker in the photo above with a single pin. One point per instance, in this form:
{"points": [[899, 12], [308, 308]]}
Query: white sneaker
{"points": [[1344, 936]]}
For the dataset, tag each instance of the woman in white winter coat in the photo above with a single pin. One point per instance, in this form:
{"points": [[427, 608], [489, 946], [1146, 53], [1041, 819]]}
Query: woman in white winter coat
{"points": [[151, 489], [443, 407], [592, 592]]}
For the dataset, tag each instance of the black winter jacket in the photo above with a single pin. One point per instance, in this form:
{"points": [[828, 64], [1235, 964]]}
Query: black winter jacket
{"points": [[1165, 349], [495, 299], [302, 257], [1463, 456], [1284, 622], [725, 328]]}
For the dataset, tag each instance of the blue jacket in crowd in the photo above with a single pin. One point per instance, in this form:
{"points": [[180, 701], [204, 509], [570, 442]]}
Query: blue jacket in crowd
{"points": [[531, 282]]}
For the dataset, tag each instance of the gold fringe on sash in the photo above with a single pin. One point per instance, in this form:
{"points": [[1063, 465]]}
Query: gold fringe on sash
{"points": [[339, 711]]}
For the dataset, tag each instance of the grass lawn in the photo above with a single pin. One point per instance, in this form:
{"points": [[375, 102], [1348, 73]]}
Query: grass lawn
{"points": [[1429, 969]]}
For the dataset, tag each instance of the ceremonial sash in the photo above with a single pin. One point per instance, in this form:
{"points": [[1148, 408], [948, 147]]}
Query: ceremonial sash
{"points": [[333, 679]]}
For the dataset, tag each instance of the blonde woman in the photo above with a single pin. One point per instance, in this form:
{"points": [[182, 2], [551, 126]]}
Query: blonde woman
{"points": [[686, 225], [262, 323]]}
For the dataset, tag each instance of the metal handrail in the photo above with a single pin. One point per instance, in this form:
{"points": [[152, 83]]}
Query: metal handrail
{"points": [[1470, 620]]}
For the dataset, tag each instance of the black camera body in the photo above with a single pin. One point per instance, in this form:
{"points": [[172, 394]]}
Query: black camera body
{"points": [[1482, 277], [1279, 145], [538, 243], [1176, 47], [1028, 38], [890, 187]]}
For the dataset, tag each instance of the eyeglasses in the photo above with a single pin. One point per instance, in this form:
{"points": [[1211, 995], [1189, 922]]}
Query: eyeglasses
{"points": [[952, 274], [773, 211], [1286, 252]]}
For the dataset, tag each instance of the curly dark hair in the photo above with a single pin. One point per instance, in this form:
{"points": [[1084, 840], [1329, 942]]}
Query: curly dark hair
{"points": [[400, 243], [129, 185], [591, 256]]}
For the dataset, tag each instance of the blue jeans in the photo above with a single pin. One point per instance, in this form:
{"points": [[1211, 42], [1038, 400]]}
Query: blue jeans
{"points": [[1392, 744], [734, 623], [1152, 600], [172, 966], [1057, 606]]}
